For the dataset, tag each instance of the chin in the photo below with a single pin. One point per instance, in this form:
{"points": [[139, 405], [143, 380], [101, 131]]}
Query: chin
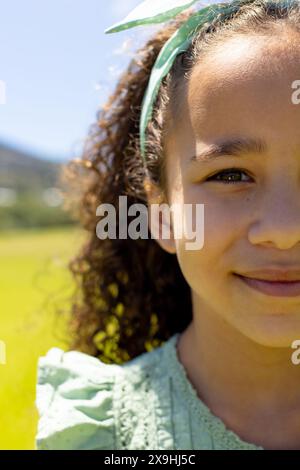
{"points": [[275, 331]]}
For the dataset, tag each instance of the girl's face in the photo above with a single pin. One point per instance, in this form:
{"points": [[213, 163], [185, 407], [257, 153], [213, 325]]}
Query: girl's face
{"points": [[243, 90]]}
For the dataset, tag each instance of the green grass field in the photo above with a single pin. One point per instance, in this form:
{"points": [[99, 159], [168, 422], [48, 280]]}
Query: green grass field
{"points": [[34, 281]]}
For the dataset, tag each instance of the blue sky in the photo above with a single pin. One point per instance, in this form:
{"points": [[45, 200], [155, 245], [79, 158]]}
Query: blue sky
{"points": [[58, 67]]}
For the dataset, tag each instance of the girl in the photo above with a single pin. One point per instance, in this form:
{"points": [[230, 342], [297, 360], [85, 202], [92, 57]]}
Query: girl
{"points": [[174, 348]]}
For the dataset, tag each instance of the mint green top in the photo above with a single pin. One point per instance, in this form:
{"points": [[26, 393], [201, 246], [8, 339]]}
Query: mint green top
{"points": [[146, 403]]}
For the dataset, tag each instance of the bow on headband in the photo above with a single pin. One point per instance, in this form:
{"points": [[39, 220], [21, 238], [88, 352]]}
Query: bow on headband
{"points": [[159, 11]]}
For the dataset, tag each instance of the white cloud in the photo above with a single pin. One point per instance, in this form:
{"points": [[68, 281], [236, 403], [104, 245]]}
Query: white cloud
{"points": [[125, 48]]}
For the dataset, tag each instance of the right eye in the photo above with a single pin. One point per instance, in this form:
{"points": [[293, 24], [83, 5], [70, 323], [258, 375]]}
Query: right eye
{"points": [[228, 174]]}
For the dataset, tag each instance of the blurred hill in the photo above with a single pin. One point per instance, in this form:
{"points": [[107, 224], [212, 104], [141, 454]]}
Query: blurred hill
{"points": [[30, 193], [23, 172]]}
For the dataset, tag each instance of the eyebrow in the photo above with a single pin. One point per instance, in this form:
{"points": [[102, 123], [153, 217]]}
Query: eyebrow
{"points": [[230, 147]]}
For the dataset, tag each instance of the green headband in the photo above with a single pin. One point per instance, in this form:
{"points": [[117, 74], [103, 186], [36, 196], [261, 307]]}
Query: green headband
{"points": [[159, 11]]}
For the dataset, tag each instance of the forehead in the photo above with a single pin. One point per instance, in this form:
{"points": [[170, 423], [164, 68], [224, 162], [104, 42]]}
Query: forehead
{"points": [[244, 81]]}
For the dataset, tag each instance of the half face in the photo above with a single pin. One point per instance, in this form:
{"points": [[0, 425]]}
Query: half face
{"points": [[235, 147]]}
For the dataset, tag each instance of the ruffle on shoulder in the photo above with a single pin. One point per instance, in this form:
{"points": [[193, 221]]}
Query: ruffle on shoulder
{"points": [[74, 399]]}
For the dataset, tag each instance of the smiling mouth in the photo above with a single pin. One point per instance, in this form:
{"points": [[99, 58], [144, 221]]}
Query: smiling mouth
{"points": [[273, 288]]}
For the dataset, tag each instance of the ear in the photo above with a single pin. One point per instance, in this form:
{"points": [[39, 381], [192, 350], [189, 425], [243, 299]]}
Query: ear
{"points": [[155, 195]]}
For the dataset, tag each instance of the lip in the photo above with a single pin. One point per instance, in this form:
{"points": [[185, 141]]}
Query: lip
{"points": [[279, 274], [285, 288]]}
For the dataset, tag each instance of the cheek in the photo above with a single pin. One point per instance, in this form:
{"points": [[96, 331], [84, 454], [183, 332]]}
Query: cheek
{"points": [[223, 227], [207, 268], [202, 271], [227, 214]]}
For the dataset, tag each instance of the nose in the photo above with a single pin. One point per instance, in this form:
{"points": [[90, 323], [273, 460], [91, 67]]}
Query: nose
{"points": [[277, 222]]}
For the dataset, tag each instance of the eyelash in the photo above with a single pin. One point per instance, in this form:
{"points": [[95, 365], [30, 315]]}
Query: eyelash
{"points": [[229, 171]]}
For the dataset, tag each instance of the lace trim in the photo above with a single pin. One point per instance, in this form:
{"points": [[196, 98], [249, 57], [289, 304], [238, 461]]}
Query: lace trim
{"points": [[134, 410], [220, 433]]}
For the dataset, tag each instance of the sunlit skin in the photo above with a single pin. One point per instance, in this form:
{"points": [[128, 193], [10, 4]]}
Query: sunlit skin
{"points": [[237, 351]]}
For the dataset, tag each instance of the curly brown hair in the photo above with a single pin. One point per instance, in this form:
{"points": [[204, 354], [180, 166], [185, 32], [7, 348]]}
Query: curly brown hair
{"points": [[131, 295]]}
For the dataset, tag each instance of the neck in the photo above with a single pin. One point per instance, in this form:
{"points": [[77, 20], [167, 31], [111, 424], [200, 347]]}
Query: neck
{"points": [[242, 382]]}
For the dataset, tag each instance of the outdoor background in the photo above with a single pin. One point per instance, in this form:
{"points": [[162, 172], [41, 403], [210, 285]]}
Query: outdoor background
{"points": [[57, 67]]}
